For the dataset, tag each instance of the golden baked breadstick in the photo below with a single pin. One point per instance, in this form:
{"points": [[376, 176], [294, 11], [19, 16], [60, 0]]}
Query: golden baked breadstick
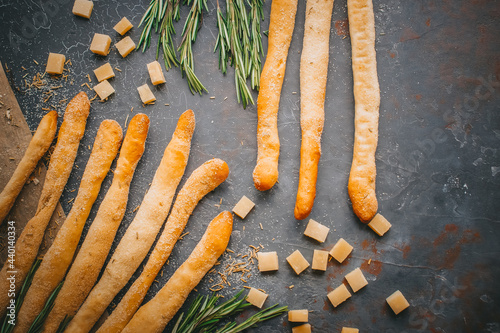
{"points": [[37, 147], [61, 163], [281, 27], [202, 181], [313, 73], [94, 250], [367, 101], [155, 315], [140, 235], [60, 254]]}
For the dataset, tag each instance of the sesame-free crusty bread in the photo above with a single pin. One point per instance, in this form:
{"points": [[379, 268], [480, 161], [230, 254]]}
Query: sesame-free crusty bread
{"points": [[95, 248], [367, 101], [60, 254]]}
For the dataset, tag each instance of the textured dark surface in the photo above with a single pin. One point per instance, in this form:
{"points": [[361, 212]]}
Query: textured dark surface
{"points": [[438, 157]]}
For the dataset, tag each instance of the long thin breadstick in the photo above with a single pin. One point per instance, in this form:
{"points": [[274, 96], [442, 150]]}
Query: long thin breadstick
{"points": [[202, 181], [155, 315], [60, 254], [61, 163], [94, 250], [141, 233], [37, 147], [367, 101], [281, 27], [313, 73]]}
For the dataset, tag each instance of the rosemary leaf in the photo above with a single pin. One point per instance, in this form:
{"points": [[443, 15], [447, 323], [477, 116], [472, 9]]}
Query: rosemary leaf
{"points": [[37, 325]]}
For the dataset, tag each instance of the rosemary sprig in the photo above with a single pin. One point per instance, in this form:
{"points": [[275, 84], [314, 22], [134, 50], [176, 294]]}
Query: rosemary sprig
{"points": [[151, 18], [270, 312], [256, 51], [37, 325], [64, 323], [167, 31]]}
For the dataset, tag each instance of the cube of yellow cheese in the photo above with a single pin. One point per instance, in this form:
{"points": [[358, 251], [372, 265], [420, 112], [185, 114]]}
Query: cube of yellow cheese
{"points": [[55, 63], [155, 73], [104, 89], [125, 46], [268, 261], [356, 279], [123, 26], [83, 8], [339, 295], [146, 94], [256, 297], [104, 72], [306, 328], [320, 260], [316, 231], [243, 207], [298, 316], [379, 224], [297, 261], [100, 44], [341, 250], [397, 302], [349, 330]]}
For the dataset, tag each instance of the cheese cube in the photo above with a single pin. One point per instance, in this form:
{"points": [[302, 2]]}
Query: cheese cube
{"points": [[104, 89], [379, 224], [341, 250], [339, 295], [55, 63], [83, 8], [125, 46], [104, 72], [146, 94], [256, 297], [316, 231], [349, 330], [306, 328], [123, 26], [268, 261], [297, 261], [397, 302], [243, 207], [298, 316], [155, 73], [100, 44], [356, 279], [320, 260]]}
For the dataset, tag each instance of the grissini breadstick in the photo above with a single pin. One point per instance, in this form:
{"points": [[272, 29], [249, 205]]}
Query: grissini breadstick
{"points": [[155, 315], [94, 250], [60, 254], [61, 163], [281, 27], [202, 181], [140, 235], [37, 147], [367, 101], [313, 73]]}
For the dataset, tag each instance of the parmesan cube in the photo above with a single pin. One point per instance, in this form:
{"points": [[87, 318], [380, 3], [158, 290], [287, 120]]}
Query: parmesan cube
{"points": [[243, 207], [320, 260], [349, 330], [316, 231], [155, 73], [306, 328], [256, 297], [341, 250], [83, 8], [356, 279], [100, 44], [55, 63], [339, 295], [104, 89], [146, 94], [298, 316], [397, 302], [268, 261], [123, 26], [125, 46], [297, 261], [379, 224], [104, 72]]}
